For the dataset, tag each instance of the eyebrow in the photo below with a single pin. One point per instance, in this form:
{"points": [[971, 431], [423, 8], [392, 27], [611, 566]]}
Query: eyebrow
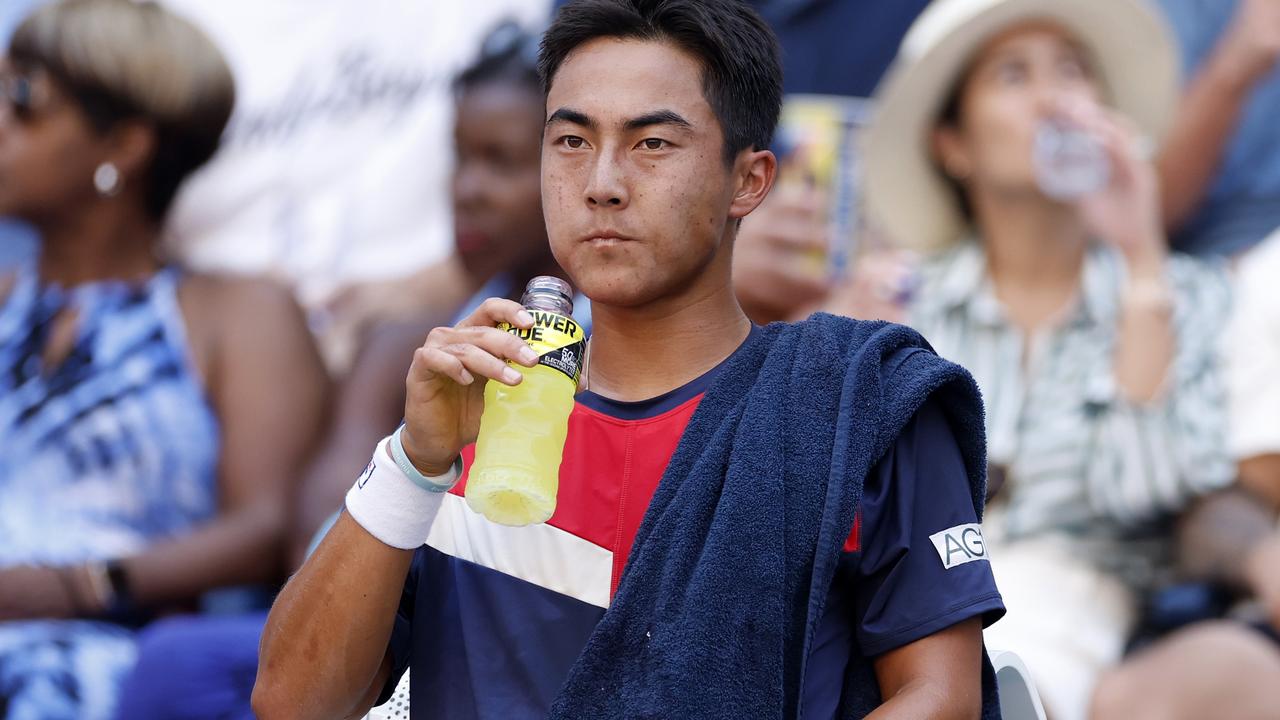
{"points": [[657, 117], [569, 115]]}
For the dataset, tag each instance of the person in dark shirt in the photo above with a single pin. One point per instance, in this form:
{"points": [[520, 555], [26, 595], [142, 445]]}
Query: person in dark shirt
{"points": [[659, 115]]}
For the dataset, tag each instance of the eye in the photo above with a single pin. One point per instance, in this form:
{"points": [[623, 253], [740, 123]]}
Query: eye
{"points": [[573, 142], [653, 144], [1073, 68], [1011, 72]]}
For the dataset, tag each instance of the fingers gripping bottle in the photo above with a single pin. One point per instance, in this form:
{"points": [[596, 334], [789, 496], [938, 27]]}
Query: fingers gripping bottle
{"points": [[516, 472]]}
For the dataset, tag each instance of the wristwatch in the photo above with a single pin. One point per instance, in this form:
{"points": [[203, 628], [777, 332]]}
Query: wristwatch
{"points": [[111, 585]]}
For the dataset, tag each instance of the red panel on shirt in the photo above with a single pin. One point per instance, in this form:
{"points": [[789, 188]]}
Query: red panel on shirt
{"points": [[854, 542], [610, 471]]}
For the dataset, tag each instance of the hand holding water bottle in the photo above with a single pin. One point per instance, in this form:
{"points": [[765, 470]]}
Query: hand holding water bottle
{"points": [[1120, 203], [446, 382]]}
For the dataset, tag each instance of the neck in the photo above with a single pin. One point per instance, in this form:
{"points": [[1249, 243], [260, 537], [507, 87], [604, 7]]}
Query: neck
{"points": [[1030, 241], [641, 353], [1035, 251], [107, 241]]}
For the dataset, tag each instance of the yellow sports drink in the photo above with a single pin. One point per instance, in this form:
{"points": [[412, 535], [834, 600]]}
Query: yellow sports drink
{"points": [[516, 472]]}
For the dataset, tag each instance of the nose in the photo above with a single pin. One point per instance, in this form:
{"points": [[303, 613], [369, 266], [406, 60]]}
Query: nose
{"points": [[1053, 90], [1047, 94], [468, 184], [606, 186]]}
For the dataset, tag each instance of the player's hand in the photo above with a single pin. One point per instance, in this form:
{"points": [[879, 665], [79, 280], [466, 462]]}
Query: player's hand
{"points": [[445, 386]]}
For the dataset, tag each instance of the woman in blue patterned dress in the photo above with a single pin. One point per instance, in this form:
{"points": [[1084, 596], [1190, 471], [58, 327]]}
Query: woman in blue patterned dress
{"points": [[149, 418]]}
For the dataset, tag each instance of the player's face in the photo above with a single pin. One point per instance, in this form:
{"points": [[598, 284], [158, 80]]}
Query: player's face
{"points": [[635, 189]]}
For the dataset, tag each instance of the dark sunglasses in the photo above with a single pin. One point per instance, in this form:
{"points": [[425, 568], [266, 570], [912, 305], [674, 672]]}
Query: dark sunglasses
{"points": [[18, 93]]}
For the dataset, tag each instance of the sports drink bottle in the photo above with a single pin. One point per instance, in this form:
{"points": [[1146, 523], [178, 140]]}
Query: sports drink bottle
{"points": [[516, 471]]}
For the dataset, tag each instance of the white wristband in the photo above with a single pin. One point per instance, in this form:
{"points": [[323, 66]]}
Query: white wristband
{"points": [[389, 505]]}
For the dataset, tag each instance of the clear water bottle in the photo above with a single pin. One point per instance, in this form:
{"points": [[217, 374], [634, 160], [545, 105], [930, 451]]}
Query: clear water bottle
{"points": [[1069, 161]]}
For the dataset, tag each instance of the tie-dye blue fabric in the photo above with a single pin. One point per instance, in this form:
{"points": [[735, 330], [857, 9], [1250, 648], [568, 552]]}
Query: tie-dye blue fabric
{"points": [[101, 455]]}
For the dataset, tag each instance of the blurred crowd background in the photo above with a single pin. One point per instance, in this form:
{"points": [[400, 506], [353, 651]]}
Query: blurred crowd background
{"points": [[229, 223]]}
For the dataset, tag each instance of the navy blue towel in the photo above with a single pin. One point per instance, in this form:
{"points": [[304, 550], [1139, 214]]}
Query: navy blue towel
{"points": [[726, 582]]}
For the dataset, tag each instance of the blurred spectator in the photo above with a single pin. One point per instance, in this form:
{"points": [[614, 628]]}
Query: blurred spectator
{"points": [[334, 168], [832, 49], [1254, 376], [208, 663], [149, 418], [1093, 348], [1220, 168], [17, 241], [1228, 668]]}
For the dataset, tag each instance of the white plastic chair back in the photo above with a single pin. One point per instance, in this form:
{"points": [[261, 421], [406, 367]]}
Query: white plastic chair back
{"points": [[397, 706], [1018, 697]]}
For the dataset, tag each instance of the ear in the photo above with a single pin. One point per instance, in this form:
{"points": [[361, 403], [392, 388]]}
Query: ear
{"points": [[950, 151], [131, 147], [754, 172]]}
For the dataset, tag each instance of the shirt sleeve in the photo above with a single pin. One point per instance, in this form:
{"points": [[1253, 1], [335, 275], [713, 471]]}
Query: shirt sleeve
{"points": [[1150, 459], [920, 565], [400, 646], [1251, 355]]}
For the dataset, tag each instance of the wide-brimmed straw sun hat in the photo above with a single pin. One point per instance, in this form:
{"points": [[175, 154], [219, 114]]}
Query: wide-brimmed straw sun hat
{"points": [[1128, 41]]}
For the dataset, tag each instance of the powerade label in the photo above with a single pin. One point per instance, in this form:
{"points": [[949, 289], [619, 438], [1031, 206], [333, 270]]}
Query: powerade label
{"points": [[558, 340]]}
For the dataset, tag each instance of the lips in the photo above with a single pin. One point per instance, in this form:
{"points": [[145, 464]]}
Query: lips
{"points": [[605, 237], [470, 241]]}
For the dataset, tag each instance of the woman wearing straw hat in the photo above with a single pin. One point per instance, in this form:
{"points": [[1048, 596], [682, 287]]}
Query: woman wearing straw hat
{"points": [[1008, 147]]}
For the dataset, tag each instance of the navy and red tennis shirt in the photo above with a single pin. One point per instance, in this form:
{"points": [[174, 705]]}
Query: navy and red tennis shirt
{"points": [[492, 618]]}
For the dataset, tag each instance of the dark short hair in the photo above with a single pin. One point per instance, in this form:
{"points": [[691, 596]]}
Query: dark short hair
{"points": [[508, 54], [742, 75], [123, 60]]}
